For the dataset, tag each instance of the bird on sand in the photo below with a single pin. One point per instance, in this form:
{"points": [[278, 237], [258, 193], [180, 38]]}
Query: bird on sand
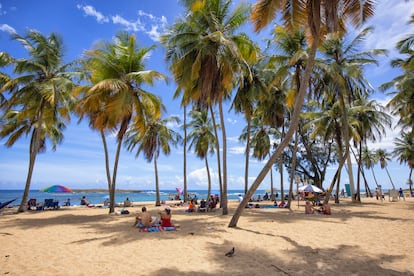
{"points": [[230, 253]]}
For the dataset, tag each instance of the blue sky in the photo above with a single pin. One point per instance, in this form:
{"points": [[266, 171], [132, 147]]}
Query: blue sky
{"points": [[79, 161]]}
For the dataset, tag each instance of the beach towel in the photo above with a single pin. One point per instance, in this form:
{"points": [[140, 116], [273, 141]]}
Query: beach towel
{"points": [[156, 229]]}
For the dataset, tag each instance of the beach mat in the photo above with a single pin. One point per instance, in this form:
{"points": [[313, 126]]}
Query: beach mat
{"points": [[156, 229]]}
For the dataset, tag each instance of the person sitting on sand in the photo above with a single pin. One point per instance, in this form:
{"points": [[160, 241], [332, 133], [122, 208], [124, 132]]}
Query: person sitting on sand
{"points": [[326, 209], [127, 203], [144, 219], [191, 207], [84, 201], [166, 217], [203, 206], [309, 208]]}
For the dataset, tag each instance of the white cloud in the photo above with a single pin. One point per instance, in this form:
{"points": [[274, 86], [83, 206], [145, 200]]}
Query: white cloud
{"points": [[90, 11], [391, 25], [129, 25], [7, 28]]}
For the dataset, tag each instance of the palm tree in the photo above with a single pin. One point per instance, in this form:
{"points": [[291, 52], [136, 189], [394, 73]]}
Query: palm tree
{"points": [[383, 157], [40, 97], [245, 100], [402, 103], [404, 152], [371, 121], [115, 97], [202, 139], [156, 138], [342, 67], [206, 55], [369, 160], [306, 15]]}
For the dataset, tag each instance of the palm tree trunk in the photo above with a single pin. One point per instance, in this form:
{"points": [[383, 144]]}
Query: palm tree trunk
{"points": [[32, 158], [217, 151], [410, 183], [272, 193], [108, 172], [373, 175], [208, 178], [389, 176], [223, 199], [33, 150], [185, 153], [157, 186], [292, 172], [246, 172], [112, 190], [293, 126]]}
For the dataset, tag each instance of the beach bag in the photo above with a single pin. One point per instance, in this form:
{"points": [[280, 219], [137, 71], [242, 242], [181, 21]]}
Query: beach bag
{"points": [[124, 212]]}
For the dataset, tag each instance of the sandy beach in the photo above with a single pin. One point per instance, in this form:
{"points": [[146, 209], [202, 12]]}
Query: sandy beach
{"points": [[373, 238]]}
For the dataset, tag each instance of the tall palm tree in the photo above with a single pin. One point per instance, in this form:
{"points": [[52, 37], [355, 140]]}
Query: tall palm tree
{"points": [[404, 152], [249, 91], [202, 138], [402, 103], [206, 54], [371, 121], [383, 157], [114, 97], [156, 138], [307, 15], [40, 97], [342, 67]]}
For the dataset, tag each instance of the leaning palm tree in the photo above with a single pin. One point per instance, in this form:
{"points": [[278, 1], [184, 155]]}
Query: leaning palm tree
{"points": [[40, 98], [383, 157], [404, 152], [202, 138], [114, 97], [156, 138], [206, 53], [307, 15]]}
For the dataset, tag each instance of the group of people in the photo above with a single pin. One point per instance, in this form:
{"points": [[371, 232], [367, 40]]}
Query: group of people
{"points": [[325, 209], [144, 219], [205, 206]]}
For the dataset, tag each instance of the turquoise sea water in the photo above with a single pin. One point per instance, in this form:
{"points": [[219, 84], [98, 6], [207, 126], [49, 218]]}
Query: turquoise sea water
{"points": [[99, 197]]}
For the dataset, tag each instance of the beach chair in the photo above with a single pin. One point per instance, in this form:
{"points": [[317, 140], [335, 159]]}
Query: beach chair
{"points": [[50, 203]]}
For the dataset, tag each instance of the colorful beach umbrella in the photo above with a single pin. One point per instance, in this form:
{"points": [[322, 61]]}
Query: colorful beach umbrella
{"points": [[179, 190], [56, 189], [310, 188]]}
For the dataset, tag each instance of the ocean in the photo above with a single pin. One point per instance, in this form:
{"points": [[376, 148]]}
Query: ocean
{"points": [[99, 197]]}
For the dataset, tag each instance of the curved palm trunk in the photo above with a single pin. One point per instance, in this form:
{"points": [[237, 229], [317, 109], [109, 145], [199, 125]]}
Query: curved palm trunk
{"points": [[112, 190], [223, 199], [373, 175], [292, 173], [208, 178], [108, 172], [389, 176], [218, 152], [410, 181], [33, 150], [246, 172], [32, 159], [157, 186], [185, 153], [293, 126]]}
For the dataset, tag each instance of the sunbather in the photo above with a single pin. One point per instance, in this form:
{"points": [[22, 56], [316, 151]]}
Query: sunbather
{"points": [[166, 217], [144, 219]]}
